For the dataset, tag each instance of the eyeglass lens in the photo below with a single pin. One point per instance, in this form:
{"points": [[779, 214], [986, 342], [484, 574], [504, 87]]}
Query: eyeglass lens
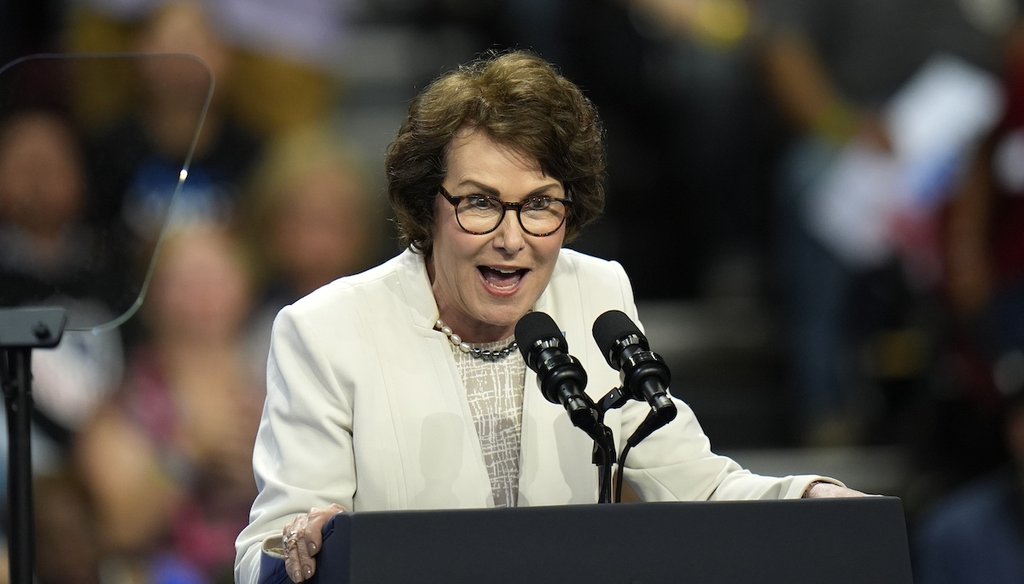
{"points": [[537, 215]]}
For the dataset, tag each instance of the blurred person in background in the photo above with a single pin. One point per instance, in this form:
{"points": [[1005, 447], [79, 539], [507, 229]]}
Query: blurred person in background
{"points": [[288, 60], [167, 459], [48, 256], [983, 240], [310, 218], [65, 530], [833, 68], [139, 154], [972, 529], [45, 244], [285, 55]]}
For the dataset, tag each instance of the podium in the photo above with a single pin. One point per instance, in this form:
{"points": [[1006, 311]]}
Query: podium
{"points": [[840, 541]]}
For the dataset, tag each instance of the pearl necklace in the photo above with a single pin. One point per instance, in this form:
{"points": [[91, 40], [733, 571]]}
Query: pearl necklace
{"points": [[485, 354]]}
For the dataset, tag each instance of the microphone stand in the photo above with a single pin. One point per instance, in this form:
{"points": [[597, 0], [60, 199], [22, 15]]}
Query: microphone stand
{"points": [[656, 418], [604, 454], [590, 419], [21, 330], [604, 458]]}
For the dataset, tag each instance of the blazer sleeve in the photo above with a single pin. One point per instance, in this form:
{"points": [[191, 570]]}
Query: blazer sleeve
{"points": [[303, 454], [676, 462]]}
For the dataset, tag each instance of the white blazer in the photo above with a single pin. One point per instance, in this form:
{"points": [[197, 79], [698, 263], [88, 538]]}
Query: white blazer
{"points": [[365, 407]]}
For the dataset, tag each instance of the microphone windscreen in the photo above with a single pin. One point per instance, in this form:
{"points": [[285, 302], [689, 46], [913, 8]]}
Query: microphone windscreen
{"points": [[610, 327], [534, 327]]}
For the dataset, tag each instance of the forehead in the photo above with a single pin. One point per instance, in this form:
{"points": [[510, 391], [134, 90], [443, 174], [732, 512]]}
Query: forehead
{"points": [[473, 154]]}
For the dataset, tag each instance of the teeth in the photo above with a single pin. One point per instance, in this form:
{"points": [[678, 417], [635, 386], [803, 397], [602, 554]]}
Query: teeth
{"points": [[504, 271]]}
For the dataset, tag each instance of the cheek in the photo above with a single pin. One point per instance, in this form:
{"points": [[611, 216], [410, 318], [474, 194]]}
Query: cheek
{"points": [[459, 262], [549, 248], [456, 249]]}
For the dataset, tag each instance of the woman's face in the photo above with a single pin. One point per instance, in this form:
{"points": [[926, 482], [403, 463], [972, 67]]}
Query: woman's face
{"points": [[483, 284], [200, 292], [41, 180]]}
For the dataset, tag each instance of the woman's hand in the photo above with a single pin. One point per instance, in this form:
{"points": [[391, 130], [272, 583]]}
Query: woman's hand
{"points": [[823, 490], [303, 538]]}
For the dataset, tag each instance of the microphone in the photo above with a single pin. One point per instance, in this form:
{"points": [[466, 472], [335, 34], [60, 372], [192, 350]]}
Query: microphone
{"points": [[560, 376], [644, 374]]}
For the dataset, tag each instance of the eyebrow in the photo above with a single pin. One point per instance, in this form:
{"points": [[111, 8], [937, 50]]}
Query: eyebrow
{"points": [[489, 190]]}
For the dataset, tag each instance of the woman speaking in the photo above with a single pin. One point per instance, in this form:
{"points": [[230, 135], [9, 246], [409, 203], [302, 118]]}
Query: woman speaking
{"points": [[402, 388]]}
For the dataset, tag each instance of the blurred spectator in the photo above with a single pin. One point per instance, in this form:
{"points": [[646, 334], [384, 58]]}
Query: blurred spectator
{"points": [[982, 347], [45, 246], [985, 229], [288, 59], [310, 218], [138, 159], [285, 54], [834, 68], [48, 257], [67, 549], [167, 461]]}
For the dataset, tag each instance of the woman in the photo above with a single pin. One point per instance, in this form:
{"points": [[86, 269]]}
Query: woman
{"points": [[400, 388]]}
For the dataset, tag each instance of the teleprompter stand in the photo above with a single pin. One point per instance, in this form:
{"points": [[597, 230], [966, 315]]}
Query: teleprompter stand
{"points": [[21, 330]]}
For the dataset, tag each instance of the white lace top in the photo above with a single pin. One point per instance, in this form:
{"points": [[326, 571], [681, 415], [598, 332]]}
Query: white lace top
{"points": [[494, 390]]}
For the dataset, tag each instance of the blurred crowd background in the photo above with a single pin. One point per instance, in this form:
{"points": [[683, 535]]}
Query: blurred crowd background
{"points": [[835, 277]]}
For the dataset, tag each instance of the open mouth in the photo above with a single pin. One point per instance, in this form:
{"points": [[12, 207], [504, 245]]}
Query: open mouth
{"points": [[502, 279]]}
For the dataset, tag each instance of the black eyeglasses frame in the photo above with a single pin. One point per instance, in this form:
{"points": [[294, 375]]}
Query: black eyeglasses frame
{"points": [[505, 206]]}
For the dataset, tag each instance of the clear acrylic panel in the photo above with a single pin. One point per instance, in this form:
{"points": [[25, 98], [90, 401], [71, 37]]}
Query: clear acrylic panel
{"points": [[85, 193]]}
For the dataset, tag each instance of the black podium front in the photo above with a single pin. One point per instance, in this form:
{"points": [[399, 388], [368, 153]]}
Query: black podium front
{"points": [[839, 541]]}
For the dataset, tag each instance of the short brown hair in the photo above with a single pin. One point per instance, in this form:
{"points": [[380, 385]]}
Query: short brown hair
{"points": [[520, 100]]}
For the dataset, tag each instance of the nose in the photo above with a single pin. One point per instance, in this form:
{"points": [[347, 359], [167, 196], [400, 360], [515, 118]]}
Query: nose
{"points": [[509, 236]]}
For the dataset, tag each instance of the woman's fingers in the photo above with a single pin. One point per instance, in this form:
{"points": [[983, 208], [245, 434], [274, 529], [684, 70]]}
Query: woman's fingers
{"points": [[303, 538], [298, 561]]}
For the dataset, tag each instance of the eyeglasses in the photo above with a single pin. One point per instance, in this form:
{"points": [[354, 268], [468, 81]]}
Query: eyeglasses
{"points": [[539, 215]]}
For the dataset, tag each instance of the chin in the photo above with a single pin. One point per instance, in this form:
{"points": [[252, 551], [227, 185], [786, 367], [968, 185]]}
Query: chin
{"points": [[507, 316]]}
